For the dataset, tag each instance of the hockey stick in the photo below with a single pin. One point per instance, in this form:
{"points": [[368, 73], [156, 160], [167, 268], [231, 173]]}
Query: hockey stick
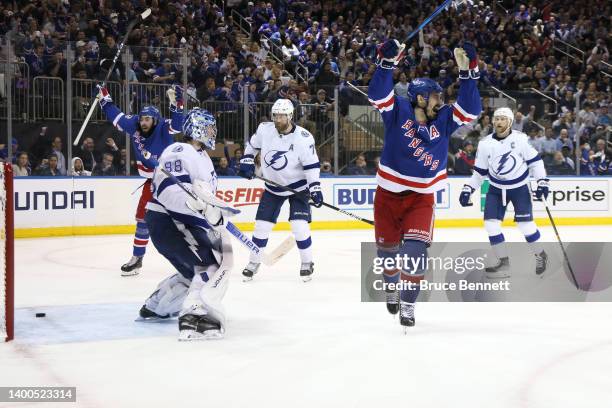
{"points": [[268, 259], [569, 265], [433, 15], [554, 225], [333, 207], [92, 108]]}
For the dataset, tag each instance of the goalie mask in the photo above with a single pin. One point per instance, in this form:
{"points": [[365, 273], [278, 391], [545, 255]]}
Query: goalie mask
{"points": [[201, 126]]}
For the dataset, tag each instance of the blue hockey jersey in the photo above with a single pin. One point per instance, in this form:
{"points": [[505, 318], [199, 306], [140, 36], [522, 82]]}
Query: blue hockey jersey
{"points": [[154, 144], [414, 155]]}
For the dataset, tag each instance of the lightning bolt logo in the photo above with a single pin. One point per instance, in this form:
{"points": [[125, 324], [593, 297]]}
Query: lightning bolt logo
{"points": [[505, 158], [276, 159]]}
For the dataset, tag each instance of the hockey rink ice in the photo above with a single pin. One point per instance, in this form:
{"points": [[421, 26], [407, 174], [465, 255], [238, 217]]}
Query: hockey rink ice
{"points": [[295, 344]]}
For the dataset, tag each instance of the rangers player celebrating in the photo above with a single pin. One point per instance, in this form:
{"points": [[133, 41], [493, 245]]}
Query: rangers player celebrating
{"points": [[507, 158], [413, 163], [150, 135], [288, 158], [189, 233]]}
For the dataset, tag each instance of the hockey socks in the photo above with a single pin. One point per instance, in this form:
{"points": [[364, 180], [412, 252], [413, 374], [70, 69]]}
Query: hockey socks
{"points": [[141, 239], [415, 252]]}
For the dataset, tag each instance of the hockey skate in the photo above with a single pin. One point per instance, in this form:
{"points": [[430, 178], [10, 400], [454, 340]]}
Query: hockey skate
{"points": [[146, 315], [306, 271], [541, 262], [249, 271], [501, 270], [199, 327], [132, 267], [393, 302], [406, 314]]}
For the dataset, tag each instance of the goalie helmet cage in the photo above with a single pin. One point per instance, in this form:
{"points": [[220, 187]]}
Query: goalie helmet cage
{"points": [[7, 276]]}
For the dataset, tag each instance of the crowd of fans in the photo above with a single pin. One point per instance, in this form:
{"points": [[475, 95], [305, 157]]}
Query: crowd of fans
{"points": [[324, 44]]}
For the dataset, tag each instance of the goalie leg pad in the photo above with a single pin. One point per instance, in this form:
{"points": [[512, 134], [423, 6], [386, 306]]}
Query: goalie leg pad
{"points": [[209, 285], [169, 296]]}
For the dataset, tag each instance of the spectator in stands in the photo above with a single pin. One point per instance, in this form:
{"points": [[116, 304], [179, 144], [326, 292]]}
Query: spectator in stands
{"points": [[464, 159], [326, 168], [401, 88], [166, 74], [56, 149], [4, 151], [360, 168], [48, 167], [234, 162], [484, 126], [223, 168], [521, 120], [106, 168], [88, 154], [77, 168], [560, 165], [22, 167], [549, 145]]}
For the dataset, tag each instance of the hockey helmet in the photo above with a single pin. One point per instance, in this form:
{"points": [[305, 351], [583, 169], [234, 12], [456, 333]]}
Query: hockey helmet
{"points": [[423, 87], [283, 107], [152, 112], [200, 125]]}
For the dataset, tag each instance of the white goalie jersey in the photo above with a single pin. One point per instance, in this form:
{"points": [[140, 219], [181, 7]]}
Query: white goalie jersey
{"points": [[188, 165], [506, 162], [290, 160]]}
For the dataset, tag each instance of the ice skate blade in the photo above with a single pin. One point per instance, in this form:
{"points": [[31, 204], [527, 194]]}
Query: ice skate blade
{"points": [[171, 319], [247, 279], [306, 278], [192, 335], [127, 274]]}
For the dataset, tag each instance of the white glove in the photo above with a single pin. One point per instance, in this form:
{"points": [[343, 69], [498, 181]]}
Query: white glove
{"points": [[171, 96], [463, 62]]}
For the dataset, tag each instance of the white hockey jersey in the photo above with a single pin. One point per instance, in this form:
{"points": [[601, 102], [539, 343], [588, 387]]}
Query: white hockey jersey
{"points": [[290, 160], [187, 164], [506, 162]]}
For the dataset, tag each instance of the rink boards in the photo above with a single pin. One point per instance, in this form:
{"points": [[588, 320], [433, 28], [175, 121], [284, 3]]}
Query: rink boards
{"points": [[101, 205]]}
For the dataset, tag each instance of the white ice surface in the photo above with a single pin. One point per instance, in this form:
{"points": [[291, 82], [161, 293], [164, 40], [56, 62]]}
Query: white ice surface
{"points": [[291, 344]]}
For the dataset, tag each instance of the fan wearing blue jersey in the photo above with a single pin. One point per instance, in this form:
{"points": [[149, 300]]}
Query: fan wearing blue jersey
{"points": [[412, 165], [506, 158], [150, 135]]}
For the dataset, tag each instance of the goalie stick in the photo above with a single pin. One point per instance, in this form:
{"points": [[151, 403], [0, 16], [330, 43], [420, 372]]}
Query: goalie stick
{"points": [[92, 108], [268, 258]]}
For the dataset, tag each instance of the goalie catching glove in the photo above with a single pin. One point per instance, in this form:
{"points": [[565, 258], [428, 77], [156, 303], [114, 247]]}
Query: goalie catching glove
{"points": [[207, 204]]}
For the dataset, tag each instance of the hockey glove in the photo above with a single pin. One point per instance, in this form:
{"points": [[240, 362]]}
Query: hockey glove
{"points": [[103, 95], [467, 61], [175, 95], [390, 54], [247, 167], [466, 195], [543, 189], [316, 195]]}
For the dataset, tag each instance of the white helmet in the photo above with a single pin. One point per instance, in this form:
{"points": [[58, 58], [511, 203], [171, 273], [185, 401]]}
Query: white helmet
{"points": [[283, 107], [506, 113]]}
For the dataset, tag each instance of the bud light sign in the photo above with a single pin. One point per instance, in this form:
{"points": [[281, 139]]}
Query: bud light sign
{"points": [[360, 196]]}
